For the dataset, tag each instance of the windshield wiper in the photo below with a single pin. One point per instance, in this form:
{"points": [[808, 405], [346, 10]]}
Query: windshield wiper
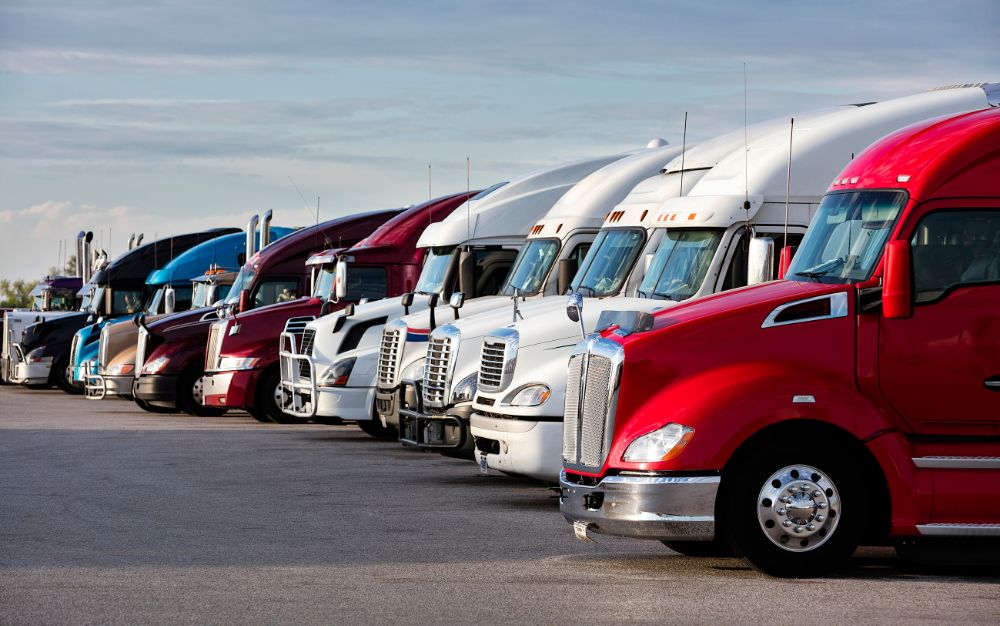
{"points": [[822, 269]]}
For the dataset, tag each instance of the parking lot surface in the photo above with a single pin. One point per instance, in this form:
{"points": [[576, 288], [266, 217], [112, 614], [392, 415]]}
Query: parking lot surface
{"points": [[112, 515]]}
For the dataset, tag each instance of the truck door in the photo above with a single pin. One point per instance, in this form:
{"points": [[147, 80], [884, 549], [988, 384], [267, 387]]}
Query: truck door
{"points": [[940, 368]]}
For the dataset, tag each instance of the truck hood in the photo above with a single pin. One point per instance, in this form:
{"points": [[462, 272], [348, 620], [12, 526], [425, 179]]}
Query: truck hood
{"points": [[445, 314]]}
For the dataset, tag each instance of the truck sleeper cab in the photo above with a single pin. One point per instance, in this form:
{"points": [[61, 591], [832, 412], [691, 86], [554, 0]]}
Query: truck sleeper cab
{"points": [[518, 412], [53, 297], [856, 402]]}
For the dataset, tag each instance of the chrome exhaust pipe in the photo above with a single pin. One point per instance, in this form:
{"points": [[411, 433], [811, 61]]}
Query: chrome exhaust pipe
{"points": [[265, 230], [251, 236], [79, 255]]}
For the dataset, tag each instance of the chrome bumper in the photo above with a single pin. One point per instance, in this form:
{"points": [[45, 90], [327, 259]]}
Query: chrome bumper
{"points": [[299, 390], [448, 430], [673, 508], [98, 387]]}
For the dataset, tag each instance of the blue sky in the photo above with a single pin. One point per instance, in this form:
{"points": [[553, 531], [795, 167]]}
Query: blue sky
{"points": [[171, 116]]}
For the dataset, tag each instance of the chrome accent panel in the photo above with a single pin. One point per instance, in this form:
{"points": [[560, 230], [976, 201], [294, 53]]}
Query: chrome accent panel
{"points": [[216, 335], [594, 377], [391, 353], [74, 346], [140, 351], [958, 462], [680, 508], [498, 359], [440, 365], [959, 530], [103, 347], [838, 308]]}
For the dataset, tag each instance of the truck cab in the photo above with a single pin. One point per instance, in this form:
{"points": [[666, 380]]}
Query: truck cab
{"points": [[855, 402], [762, 193], [53, 297], [113, 370], [469, 252], [170, 352], [383, 264]]}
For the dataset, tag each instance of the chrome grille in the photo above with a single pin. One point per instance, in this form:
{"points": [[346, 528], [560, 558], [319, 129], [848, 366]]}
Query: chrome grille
{"points": [[593, 376], [308, 339], [215, 336], [390, 352], [7, 339], [140, 351], [102, 348], [73, 347], [296, 325], [436, 369], [497, 359]]}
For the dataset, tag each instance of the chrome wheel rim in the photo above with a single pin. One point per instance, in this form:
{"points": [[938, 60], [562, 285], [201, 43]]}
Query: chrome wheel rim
{"points": [[279, 396], [198, 390], [798, 508]]}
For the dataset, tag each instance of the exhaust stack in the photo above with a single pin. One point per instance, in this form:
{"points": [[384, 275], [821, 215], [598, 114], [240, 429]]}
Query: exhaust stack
{"points": [[131, 241], [251, 236], [79, 256], [138, 240], [265, 230], [85, 259]]}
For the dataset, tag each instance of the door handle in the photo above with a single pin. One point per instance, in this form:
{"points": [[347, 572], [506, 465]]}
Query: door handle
{"points": [[992, 383]]}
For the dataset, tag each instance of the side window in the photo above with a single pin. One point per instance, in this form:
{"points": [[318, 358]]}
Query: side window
{"points": [[366, 282], [952, 248], [280, 290], [736, 274], [580, 252], [492, 267]]}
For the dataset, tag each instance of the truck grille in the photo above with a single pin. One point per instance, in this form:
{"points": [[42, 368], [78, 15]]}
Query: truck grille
{"points": [[140, 351], [215, 336], [73, 347], [296, 325], [103, 348], [390, 352], [308, 339], [441, 349], [7, 339], [591, 394], [497, 359]]}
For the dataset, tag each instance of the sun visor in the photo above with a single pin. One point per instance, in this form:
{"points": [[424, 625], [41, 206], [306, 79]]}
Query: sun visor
{"points": [[705, 211]]}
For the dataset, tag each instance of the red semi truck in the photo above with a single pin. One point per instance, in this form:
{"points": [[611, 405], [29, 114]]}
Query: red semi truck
{"points": [[241, 362], [170, 352], [856, 402]]}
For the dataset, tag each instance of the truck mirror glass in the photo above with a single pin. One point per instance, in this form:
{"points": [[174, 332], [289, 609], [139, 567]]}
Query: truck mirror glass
{"points": [[760, 260], [897, 300], [567, 270], [574, 311], [786, 260], [340, 281], [169, 300], [647, 261], [456, 300], [327, 308]]}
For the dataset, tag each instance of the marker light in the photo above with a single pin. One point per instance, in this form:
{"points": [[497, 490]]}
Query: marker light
{"points": [[660, 445]]}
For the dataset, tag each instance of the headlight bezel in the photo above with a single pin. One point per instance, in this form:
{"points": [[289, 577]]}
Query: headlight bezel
{"points": [[661, 444], [339, 373], [537, 395], [236, 363], [465, 389], [121, 369], [154, 366]]}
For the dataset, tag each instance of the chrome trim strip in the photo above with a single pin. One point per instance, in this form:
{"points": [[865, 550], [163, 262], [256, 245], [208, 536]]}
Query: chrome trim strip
{"points": [[838, 308], [958, 462], [959, 530]]}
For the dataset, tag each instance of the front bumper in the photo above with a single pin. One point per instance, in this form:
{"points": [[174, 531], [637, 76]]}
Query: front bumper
{"points": [[31, 373], [158, 390], [448, 430], [389, 401], [519, 446], [99, 387], [233, 389], [347, 403], [670, 508]]}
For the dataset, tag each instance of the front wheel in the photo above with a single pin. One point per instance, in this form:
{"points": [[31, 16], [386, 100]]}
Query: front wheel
{"points": [[792, 513], [269, 400], [191, 393], [62, 376]]}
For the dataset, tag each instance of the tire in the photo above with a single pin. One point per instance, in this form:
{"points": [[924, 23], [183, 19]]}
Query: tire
{"points": [[266, 400], [374, 428], [62, 377], [149, 408], [818, 485], [190, 390], [716, 547]]}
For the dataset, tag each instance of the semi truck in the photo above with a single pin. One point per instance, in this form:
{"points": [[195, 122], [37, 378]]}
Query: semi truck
{"points": [[771, 187], [111, 372], [384, 264], [170, 353], [855, 402], [54, 350], [468, 253], [54, 296]]}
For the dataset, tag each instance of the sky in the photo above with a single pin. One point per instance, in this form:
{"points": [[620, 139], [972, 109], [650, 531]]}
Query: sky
{"points": [[169, 117]]}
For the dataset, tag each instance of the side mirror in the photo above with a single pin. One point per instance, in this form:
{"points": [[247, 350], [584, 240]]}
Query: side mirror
{"points": [[340, 281], [760, 260], [244, 301], [327, 308], [897, 292], [432, 302], [139, 319], [456, 301], [407, 301], [647, 262], [169, 300], [786, 260], [567, 270], [574, 311]]}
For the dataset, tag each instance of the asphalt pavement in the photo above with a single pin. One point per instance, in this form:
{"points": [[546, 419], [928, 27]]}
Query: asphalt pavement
{"points": [[109, 515]]}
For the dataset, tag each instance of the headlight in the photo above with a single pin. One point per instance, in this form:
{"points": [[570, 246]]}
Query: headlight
{"points": [[121, 369], [338, 373], [35, 356], [413, 371], [465, 389], [660, 445], [155, 365], [529, 395], [227, 363]]}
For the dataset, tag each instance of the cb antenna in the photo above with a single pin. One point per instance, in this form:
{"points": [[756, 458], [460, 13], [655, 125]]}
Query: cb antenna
{"points": [[746, 156], [429, 193], [788, 175], [684, 138], [468, 194]]}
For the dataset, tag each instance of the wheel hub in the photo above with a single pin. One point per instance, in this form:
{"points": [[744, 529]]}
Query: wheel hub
{"points": [[798, 508], [198, 390]]}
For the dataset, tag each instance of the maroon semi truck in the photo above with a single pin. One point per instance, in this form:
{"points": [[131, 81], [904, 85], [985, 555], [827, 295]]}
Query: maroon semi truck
{"points": [[170, 354], [241, 363]]}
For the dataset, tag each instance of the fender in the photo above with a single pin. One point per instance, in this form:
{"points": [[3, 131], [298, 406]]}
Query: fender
{"points": [[180, 354]]}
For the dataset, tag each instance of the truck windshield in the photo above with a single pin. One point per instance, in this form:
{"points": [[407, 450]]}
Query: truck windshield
{"points": [[324, 281], [435, 270], [199, 296], [846, 237], [680, 264], [243, 281], [531, 267], [608, 262]]}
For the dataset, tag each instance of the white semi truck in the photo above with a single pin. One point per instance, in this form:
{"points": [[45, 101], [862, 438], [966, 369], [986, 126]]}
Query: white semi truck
{"points": [[518, 410], [329, 375]]}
